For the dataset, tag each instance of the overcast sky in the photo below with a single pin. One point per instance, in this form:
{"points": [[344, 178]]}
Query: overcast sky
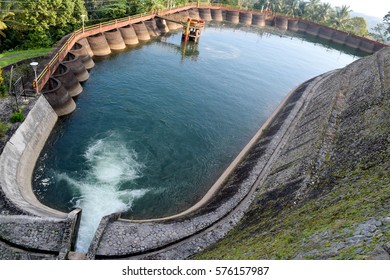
{"points": [[378, 8]]}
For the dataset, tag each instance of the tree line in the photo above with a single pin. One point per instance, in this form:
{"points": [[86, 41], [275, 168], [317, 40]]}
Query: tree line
{"points": [[323, 13], [27, 24]]}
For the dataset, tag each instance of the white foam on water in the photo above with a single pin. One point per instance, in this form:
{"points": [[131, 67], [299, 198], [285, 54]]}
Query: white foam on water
{"points": [[110, 165]]}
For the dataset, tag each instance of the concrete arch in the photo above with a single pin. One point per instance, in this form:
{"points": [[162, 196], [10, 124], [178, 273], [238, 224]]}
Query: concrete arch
{"points": [[68, 79], [76, 66]]}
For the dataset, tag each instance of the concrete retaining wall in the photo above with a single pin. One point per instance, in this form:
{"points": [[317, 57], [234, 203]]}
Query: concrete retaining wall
{"points": [[19, 156]]}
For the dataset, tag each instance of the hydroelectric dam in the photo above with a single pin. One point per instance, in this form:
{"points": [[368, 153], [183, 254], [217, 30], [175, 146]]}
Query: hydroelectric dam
{"points": [[278, 152]]}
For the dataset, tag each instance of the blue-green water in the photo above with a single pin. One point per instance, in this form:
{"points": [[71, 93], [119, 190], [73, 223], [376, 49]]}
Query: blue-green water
{"points": [[154, 128]]}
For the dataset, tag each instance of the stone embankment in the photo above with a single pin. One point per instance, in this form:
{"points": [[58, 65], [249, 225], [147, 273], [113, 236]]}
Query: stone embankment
{"points": [[292, 160], [326, 194]]}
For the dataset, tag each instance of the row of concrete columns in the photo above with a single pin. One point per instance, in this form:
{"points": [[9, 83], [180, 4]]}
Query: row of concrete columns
{"points": [[65, 82]]}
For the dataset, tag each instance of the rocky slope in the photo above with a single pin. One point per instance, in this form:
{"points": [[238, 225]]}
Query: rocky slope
{"points": [[327, 195]]}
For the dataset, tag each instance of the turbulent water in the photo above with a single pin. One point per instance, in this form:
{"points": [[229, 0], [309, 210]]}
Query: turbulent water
{"points": [[156, 125]]}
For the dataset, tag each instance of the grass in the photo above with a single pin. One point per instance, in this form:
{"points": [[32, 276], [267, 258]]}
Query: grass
{"points": [[11, 57]]}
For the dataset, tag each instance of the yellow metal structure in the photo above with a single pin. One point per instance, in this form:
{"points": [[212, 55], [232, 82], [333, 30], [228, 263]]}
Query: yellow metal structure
{"points": [[192, 30]]}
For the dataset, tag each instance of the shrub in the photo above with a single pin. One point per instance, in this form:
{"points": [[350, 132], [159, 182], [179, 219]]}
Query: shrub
{"points": [[2, 85], [17, 117], [3, 129]]}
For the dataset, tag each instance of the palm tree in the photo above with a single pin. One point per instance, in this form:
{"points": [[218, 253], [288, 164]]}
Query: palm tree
{"points": [[341, 18], [292, 8], [277, 5], [311, 9], [324, 13], [5, 16]]}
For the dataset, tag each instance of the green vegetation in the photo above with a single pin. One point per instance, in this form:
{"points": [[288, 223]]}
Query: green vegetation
{"points": [[295, 229], [3, 129], [11, 57], [17, 117], [3, 90], [317, 11], [41, 23], [382, 30]]}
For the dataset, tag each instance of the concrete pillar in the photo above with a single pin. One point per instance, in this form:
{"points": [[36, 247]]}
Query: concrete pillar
{"points": [[114, 39], [141, 31], [68, 79], [245, 18], [233, 16], [81, 51], [352, 42], [313, 29], [339, 37], [58, 97], [367, 46], [129, 36], [216, 14], [281, 22], [194, 13], [258, 20], [76, 66], [85, 44], [99, 45], [325, 33], [205, 13], [152, 28]]}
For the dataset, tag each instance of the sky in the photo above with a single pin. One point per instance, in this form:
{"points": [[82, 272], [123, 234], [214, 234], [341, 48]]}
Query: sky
{"points": [[377, 8]]}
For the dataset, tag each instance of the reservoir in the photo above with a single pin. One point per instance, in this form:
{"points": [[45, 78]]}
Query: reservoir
{"points": [[158, 123]]}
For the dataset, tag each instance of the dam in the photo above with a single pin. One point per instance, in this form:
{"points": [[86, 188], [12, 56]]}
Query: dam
{"points": [[156, 137], [93, 150]]}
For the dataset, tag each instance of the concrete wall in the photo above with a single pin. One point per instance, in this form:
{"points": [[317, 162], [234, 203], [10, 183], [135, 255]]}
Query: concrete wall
{"points": [[19, 156]]}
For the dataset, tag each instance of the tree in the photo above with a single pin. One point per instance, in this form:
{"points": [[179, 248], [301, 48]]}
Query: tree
{"points": [[292, 8], [358, 26], [103, 10], [311, 9], [5, 15], [43, 22], [325, 12], [341, 18], [382, 30]]}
